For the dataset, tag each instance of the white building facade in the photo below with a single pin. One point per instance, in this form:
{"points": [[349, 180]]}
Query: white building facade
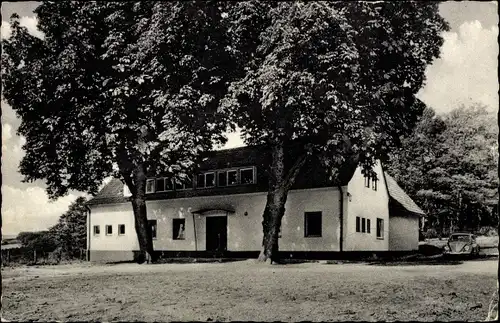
{"points": [[219, 213]]}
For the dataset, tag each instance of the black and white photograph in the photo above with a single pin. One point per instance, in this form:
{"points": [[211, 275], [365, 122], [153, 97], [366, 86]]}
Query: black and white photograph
{"points": [[262, 161]]}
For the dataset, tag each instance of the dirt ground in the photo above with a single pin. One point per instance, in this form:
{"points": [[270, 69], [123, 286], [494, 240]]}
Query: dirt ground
{"points": [[245, 290]]}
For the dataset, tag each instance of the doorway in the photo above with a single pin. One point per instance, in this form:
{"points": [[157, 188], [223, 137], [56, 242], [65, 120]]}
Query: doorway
{"points": [[216, 233]]}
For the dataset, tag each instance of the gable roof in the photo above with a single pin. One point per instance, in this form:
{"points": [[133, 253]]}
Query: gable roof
{"points": [[396, 193], [312, 175], [111, 193]]}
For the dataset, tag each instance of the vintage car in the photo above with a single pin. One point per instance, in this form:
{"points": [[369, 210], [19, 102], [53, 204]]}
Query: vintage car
{"points": [[462, 244]]}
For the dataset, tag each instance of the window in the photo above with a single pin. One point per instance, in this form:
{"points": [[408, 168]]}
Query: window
{"points": [[358, 224], [206, 180], [109, 230], [363, 225], [184, 184], [247, 176], [164, 184], [380, 228], [178, 226], [312, 224], [97, 230], [374, 184], [232, 177], [367, 180], [227, 178], [153, 225], [222, 180], [368, 226], [121, 229], [150, 186]]}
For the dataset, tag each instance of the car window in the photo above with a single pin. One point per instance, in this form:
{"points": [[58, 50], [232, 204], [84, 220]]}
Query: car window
{"points": [[460, 238]]}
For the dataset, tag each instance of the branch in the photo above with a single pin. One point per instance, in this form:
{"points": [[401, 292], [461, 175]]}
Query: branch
{"points": [[294, 171]]}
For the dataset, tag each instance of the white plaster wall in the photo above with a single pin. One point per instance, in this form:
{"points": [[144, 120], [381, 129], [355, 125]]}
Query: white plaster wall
{"points": [[370, 204], [114, 215], [325, 200], [404, 233], [244, 233]]}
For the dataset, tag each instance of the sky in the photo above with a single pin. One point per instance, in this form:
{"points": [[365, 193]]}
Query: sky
{"points": [[465, 73]]}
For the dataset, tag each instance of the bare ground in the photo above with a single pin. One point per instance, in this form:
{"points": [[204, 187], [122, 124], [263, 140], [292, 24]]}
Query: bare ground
{"points": [[459, 291]]}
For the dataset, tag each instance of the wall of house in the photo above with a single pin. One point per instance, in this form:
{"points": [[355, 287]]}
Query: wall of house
{"points": [[404, 233], [244, 232], [369, 204], [112, 247]]}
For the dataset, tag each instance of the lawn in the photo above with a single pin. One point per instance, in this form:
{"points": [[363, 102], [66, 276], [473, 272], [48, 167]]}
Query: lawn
{"points": [[249, 291]]}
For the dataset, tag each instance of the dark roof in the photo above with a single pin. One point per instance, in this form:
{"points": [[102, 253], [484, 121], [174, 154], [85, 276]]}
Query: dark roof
{"points": [[397, 194], [110, 193], [313, 175]]}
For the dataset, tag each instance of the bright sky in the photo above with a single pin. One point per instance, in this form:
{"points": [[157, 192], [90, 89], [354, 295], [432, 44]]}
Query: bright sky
{"points": [[465, 73]]}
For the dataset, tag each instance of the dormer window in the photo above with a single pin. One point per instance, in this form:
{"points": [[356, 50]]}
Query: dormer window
{"points": [[247, 175], [184, 184], [164, 184], [227, 178], [206, 180], [150, 186]]}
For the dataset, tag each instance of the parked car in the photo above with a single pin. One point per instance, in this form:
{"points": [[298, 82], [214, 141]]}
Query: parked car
{"points": [[462, 244]]}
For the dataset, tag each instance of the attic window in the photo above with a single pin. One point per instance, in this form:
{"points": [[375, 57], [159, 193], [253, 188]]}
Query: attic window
{"points": [[247, 175], [150, 186], [227, 178], [206, 180], [184, 184], [164, 184]]}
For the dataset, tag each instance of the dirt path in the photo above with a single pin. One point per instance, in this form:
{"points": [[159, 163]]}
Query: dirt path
{"points": [[249, 291]]}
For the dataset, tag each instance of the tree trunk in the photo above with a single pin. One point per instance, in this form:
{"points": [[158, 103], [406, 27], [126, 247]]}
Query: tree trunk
{"points": [[279, 186], [140, 215], [273, 214]]}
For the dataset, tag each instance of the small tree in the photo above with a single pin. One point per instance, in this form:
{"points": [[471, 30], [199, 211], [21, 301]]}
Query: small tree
{"points": [[121, 89], [70, 233], [336, 80]]}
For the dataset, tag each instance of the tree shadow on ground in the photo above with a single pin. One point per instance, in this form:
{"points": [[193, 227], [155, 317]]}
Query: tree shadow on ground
{"points": [[419, 262]]}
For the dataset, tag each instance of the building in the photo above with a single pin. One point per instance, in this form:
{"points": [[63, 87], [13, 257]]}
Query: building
{"points": [[220, 211]]}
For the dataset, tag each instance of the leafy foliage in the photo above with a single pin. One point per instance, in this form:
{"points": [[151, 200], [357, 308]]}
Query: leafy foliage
{"points": [[41, 241], [113, 85], [123, 89], [332, 72], [449, 166], [336, 80], [70, 233]]}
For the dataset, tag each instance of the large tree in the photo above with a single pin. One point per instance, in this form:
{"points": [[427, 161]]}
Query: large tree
{"points": [[121, 89], [336, 80], [449, 166]]}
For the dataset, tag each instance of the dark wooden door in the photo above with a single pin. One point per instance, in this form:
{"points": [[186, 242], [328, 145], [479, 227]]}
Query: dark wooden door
{"points": [[216, 233]]}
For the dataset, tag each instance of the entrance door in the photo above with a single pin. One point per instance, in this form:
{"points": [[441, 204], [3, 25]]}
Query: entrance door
{"points": [[216, 233]]}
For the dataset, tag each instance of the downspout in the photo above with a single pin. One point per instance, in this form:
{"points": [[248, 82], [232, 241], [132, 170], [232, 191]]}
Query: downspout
{"points": [[194, 229], [341, 238], [89, 227]]}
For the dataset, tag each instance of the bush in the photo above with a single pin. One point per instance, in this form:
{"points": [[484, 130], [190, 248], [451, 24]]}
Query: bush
{"points": [[430, 234], [488, 231]]}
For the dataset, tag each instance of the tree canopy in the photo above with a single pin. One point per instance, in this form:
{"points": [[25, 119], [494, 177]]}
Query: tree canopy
{"points": [[448, 165], [338, 78], [121, 89]]}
